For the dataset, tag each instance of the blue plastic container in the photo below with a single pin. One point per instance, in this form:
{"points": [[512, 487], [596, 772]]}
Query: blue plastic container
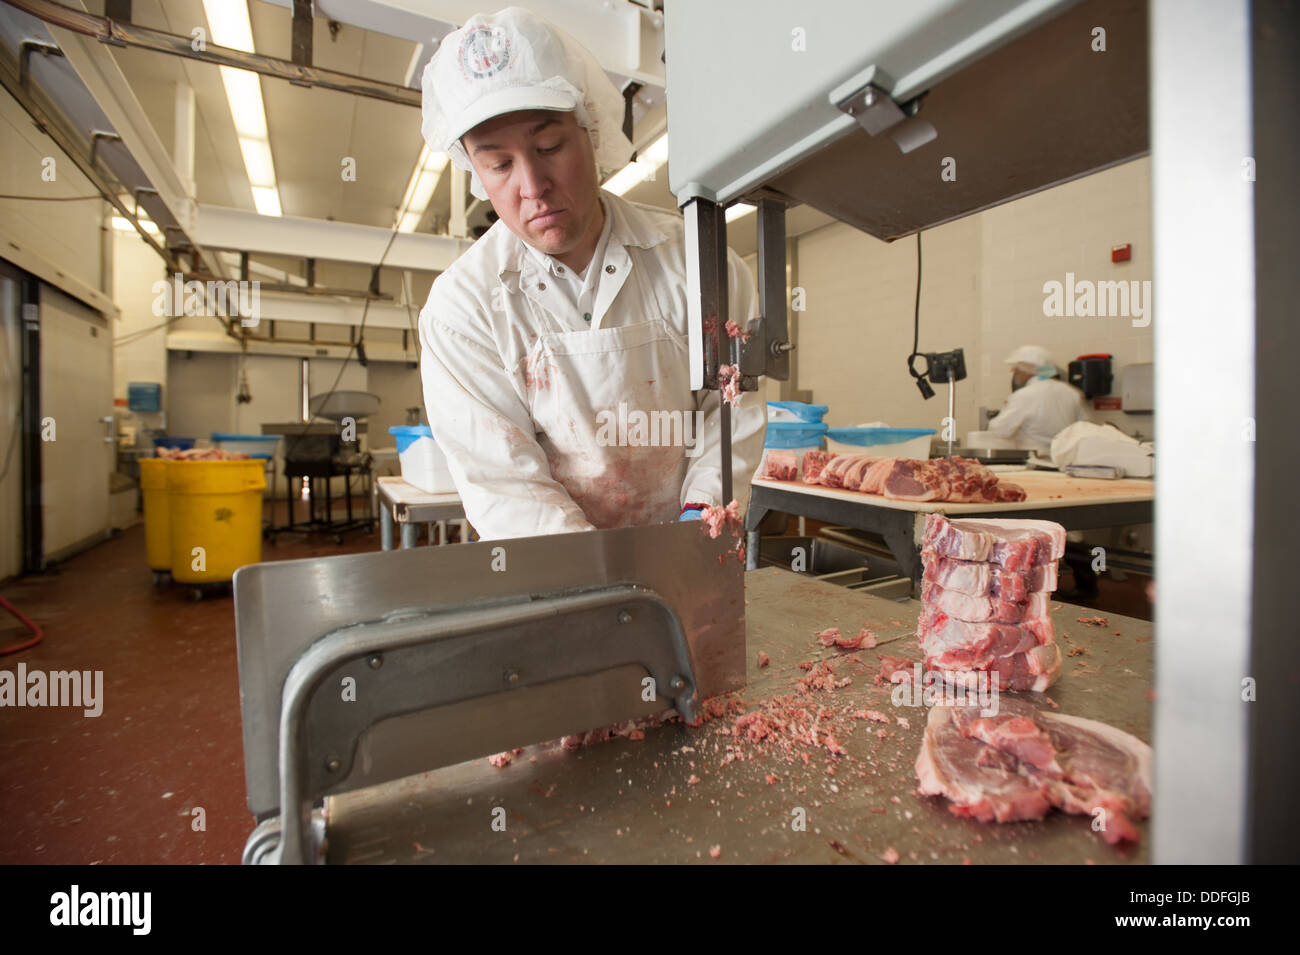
{"points": [[796, 435], [260, 446], [176, 444], [408, 434], [805, 412], [885, 442]]}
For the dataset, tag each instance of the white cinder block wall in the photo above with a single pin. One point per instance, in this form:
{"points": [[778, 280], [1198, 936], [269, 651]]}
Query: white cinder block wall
{"points": [[982, 290]]}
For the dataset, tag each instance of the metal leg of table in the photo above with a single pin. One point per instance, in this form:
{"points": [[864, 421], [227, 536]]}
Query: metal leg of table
{"points": [[753, 517], [410, 535], [899, 531], [385, 529]]}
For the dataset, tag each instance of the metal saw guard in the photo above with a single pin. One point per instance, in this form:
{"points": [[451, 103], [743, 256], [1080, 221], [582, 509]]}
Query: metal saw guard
{"points": [[550, 647]]}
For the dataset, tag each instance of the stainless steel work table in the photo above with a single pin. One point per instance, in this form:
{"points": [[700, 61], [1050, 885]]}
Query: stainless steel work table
{"points": [[406, 505], [624, 801], [1074, 503]]}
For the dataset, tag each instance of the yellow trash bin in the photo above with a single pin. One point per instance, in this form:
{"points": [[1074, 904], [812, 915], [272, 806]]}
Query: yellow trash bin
{"points": [[157, 514], [216, 518]]}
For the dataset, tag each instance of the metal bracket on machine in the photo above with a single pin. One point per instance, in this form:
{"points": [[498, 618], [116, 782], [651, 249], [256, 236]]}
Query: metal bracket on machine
{"points": [[875, 111]]}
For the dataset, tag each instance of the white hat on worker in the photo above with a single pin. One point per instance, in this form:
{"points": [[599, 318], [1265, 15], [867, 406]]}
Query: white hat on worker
{"points": [[1035, 355], [511, 61]]}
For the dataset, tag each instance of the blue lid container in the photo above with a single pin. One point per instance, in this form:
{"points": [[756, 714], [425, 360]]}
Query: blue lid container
{"points": [[260, 446], [176, 444], [794, 434], [869, 436], [408, 434], [806, 412]]}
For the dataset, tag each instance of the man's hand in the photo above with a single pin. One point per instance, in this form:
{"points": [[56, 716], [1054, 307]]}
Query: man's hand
{"points": [[691, 512]]}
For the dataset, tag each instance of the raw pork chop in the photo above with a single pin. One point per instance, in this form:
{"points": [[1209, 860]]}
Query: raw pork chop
{"points": [[949, 643], [1078, 765], [873, 481], [780, 465], [980, 782], [814, 462], [910, 480], [1012, 544], [954, 603], [833, 474], [988, 580], [854, 473], [1034, 671]]}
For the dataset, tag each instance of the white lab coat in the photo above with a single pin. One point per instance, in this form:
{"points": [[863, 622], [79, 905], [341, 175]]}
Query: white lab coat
{"points": [[1038, 411], [523, 396]]}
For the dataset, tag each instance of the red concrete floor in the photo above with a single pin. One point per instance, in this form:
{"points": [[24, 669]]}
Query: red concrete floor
{"points": [[119, 788]]}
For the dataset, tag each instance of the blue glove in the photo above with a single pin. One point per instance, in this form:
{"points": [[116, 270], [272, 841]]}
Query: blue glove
{"points": [[691, 513]]}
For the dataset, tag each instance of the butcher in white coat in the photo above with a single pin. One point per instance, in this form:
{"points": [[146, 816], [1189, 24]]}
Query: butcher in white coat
{"points": [[1040, 404], [554, 351]]}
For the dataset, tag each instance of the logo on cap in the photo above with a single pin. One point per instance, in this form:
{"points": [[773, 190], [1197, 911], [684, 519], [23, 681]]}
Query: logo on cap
{"points": [[484, 52]]}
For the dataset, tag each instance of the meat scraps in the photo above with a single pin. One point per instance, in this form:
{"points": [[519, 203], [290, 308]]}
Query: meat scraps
{"points": [[200, 454], [1023, 761], [729, 384], [715, 519]]}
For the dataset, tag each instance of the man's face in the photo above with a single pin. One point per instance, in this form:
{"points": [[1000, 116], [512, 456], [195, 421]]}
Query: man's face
{"points": [[540, 173]]}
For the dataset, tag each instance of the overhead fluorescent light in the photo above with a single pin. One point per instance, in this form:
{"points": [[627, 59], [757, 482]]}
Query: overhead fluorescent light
{"points": [[419, 190], [244, 93], [124, 225], [229, 26], [646, 165], [739, 211], [257, 160], [267, 200]]}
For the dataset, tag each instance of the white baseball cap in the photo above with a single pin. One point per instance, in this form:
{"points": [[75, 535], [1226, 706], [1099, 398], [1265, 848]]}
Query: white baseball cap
{"points": [[511, 61]]}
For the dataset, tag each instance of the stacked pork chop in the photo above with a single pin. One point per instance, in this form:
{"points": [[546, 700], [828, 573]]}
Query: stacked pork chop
{"points": [[985, 601], [1022, 761], [961, 480]]}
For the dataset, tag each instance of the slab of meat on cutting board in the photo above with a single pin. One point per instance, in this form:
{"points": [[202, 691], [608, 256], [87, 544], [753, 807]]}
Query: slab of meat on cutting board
{"points": [[1021, 762], [960, 480]]}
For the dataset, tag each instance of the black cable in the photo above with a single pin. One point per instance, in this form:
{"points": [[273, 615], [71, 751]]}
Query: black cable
{"points": [[926, 391]]}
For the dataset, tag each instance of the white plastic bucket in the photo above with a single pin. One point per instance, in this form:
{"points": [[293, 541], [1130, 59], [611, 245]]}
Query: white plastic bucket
{"points": [[423, 464]]}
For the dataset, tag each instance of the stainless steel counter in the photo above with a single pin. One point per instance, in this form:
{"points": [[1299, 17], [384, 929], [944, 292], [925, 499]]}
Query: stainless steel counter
{"points": [[630, 801]]}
